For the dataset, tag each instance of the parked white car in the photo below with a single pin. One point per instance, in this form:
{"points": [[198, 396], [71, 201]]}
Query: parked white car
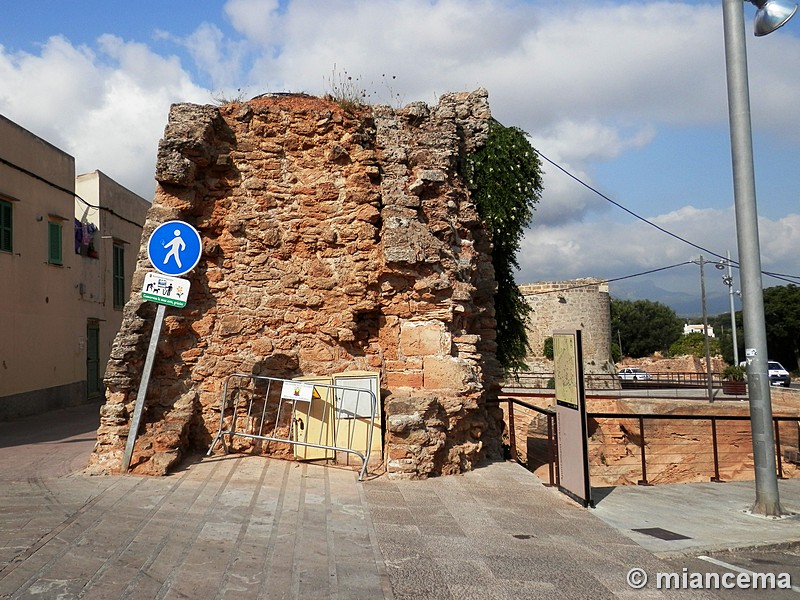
{"points": [[633, 374], [777, 374]]}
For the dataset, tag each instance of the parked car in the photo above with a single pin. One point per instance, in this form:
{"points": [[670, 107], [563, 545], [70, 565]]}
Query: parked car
{"points": [[633, 374], [777, 374]]}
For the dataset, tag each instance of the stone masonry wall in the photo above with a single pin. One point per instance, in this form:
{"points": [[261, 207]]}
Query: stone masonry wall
{"points": [[578, 304], [332, 241]]}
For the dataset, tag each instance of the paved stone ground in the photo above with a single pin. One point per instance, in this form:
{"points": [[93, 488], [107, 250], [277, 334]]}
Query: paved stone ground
{"points": [[224, 527], [249, 527]]}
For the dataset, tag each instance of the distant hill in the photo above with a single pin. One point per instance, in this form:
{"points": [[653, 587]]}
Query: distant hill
{"points": [[684, 305]]}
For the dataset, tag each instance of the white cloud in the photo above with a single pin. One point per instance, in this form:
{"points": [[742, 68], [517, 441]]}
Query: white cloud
{"points": [[590, 82], [107, 108], [778, 242], [590, 140], [571, 145], [220, 58], [50, 90], [257, 20], [615, 247]]}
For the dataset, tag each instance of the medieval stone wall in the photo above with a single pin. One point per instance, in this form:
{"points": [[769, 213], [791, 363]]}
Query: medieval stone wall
{"points": [[332, 241], [578, 304]]}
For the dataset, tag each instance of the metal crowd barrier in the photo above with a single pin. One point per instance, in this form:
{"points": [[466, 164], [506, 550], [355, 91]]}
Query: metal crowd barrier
{"points": [[336, 418]]}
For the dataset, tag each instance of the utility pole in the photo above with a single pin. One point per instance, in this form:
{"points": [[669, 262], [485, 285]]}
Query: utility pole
{"points": [[767, 501], [709, 380]]}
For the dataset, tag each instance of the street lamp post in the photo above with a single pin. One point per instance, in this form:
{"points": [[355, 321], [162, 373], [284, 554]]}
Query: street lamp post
{"points": [[771, 15]]}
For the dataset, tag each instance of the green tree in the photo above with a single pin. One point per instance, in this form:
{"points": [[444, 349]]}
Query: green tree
{"points": [[694, 344], [505, 179], [548, 348], [644, 326], [722, 329], [782, 316]]}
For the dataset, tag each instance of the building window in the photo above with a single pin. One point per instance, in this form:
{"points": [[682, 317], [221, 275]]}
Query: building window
{"points": [[119, 276], [54, 254], [6, 228]]}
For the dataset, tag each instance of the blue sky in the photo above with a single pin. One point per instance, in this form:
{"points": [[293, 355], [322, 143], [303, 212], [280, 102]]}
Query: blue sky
{"points": [[627, 96]]}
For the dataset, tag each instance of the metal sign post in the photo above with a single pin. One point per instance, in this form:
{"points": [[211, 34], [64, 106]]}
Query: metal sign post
{"points": [[174, 248], [148, 367]]}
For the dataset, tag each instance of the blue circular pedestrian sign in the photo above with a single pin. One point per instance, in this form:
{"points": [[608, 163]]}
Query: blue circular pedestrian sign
{"points": [[174, 248]]}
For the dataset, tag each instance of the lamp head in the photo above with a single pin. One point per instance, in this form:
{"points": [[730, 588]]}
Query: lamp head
{"points": [[772, 14]]}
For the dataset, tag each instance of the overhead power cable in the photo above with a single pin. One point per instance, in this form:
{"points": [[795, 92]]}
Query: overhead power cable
{"points": [[781, 276], [595, 282], [66, 191]]}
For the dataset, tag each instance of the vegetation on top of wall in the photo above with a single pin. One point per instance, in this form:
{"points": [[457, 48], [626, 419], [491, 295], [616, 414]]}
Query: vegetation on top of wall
{"points": [[352, 93], [505, 178], [221, 98]]}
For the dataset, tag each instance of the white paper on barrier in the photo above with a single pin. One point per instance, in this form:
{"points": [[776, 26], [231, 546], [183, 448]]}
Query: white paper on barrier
{"points": [[295, 390]]}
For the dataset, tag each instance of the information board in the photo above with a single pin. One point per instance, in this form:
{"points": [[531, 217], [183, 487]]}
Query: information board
{"points": [[573, 448]]}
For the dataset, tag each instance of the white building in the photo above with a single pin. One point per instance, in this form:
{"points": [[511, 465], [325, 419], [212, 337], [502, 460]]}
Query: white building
{"points": [[687, 329], [67, 253]]}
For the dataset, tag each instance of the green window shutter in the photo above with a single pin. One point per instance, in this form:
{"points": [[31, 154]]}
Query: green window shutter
{"points": [[119, 276], [6, 227], [54, 255]]}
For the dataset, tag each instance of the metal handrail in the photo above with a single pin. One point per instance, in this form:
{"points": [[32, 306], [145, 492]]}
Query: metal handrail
{"points": [[552, 440], [681, 379]]}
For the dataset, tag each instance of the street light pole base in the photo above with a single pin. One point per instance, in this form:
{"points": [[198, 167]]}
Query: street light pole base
{"points": [[771, 511]]}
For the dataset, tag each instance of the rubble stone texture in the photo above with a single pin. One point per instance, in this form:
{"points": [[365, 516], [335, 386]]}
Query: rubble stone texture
{"points": [[333, 240]]}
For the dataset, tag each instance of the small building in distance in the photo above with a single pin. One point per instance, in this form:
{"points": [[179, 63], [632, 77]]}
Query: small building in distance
{"points": [[67, 253], [697, 328]]}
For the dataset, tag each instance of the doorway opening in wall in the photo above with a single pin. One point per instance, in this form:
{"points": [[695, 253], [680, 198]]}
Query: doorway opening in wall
{"points": [[94, 383]]}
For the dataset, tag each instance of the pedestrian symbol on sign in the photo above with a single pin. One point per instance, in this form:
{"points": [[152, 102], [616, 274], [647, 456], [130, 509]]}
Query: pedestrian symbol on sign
{"points": [[176, 245], [174, 248]]}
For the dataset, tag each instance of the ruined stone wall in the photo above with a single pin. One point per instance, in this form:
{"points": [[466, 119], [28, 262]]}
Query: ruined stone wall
{"points": [[332, 241], [578, 304]]}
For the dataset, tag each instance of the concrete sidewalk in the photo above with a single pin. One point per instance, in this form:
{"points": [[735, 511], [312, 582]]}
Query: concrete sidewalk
{"points": [[683, 518], [251, 527]]}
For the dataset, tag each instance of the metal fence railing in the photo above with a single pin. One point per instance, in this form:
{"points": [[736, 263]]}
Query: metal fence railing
{"points": [[317, 419], [644, 448], [604, 381]]}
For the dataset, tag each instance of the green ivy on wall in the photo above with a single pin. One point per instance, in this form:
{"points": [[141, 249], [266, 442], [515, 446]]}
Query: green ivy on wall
{"points": [[505, 179]]}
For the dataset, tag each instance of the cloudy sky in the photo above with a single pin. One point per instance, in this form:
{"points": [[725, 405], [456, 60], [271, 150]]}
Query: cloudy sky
{"points": [[627, 97]]}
